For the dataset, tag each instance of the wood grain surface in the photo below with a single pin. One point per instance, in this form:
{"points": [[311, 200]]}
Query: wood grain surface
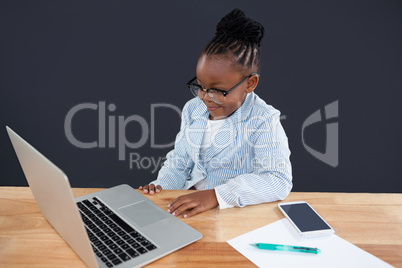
{"points": [[372, 222]]}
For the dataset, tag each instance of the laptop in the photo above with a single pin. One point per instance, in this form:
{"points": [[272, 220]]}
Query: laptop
{"points": [[116, 227]]}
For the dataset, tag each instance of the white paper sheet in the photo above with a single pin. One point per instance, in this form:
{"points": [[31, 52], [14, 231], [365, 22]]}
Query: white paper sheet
{"points": [[335, 251]]}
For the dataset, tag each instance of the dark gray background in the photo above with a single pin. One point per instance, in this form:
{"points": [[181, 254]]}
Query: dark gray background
{"points": [[55, 55]]}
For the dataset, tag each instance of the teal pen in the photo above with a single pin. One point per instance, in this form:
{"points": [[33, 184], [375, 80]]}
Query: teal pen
{"points": [[286, 248]]}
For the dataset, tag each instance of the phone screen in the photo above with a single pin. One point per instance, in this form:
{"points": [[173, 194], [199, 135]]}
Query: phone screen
{"points": [[304, 217]]}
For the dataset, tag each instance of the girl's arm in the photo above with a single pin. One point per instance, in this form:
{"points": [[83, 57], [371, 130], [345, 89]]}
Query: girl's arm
{"points": [[178, 165]]}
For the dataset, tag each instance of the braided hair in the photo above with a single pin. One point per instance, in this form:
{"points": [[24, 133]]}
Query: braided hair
{"points": [[239, 38]]}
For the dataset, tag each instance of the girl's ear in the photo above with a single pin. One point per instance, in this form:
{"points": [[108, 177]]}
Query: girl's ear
{"points": [[252, 83]]}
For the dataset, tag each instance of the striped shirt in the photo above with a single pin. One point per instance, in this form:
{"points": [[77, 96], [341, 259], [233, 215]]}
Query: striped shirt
{"points": [[247, 162]]}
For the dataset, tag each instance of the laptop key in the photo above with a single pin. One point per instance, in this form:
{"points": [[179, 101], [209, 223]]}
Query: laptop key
{"points": [[146, 243], [111, 234], [98, 243], [104, 238], [125, 246], [135, 234], [112, 257], [98, 201], [95, 210], [116, 229], [124, 256], [98, 222], [136, 245], [100, 233], [118, 251], [115, 238], [80, 205], [104, 209], [121, 223], [109, 264], [102, 247], [87, 202], [132, 253], [108, 212], [140, 239], [86, 211], [108, 242], [126, 237], [130, 241], [151, 247], [142, 250], [116, 261], [113, 246], [99, 213], [106, 251]]}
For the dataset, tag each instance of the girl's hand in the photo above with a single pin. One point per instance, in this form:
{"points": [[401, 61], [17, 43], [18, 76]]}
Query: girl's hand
{"points": [[194, 202], [151, 189]]}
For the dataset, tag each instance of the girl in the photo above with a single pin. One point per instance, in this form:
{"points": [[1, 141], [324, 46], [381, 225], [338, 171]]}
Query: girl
{"points": [[231, 145]]}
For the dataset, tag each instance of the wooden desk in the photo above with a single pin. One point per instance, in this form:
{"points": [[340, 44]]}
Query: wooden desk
{"points": [[372, 222]]}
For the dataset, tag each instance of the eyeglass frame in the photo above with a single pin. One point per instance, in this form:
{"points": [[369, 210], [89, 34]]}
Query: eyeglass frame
{"points": [[224, 92]]}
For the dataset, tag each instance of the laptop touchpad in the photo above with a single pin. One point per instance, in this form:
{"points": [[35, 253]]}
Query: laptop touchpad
{"points": [[142, 213]]}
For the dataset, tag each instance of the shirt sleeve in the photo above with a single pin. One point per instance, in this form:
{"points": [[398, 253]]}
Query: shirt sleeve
{"points": [[178, 165], [222, 203], [271, 176]]}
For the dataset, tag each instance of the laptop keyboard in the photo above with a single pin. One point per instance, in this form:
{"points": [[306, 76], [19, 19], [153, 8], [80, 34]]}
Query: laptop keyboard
{"points": [[113, 240]]}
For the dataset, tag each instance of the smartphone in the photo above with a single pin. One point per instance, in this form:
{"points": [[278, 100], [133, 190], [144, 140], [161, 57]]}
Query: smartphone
{"points": [[305, 219]]}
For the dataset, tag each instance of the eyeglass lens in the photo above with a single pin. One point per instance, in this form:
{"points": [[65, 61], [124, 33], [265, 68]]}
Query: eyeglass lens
{"points": [[216, 96]]}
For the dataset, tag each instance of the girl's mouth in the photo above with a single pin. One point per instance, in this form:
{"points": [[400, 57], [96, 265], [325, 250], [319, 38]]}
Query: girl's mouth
{"points": [[212, 108]]}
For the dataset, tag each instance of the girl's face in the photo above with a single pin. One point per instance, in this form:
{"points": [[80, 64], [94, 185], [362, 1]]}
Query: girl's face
{"points": [[218, 72]]}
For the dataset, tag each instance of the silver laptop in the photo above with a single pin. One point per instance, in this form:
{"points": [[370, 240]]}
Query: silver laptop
{"points": [[113, 227]]}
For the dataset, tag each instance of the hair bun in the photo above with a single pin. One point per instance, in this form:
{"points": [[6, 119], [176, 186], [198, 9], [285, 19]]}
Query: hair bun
{"points": [[238, 26]]}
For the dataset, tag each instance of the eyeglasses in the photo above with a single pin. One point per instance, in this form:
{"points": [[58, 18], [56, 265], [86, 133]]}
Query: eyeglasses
{"points": [[217, 95]]}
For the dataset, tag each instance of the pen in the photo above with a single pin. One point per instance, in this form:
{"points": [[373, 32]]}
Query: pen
{"points": [[286, 248]]}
